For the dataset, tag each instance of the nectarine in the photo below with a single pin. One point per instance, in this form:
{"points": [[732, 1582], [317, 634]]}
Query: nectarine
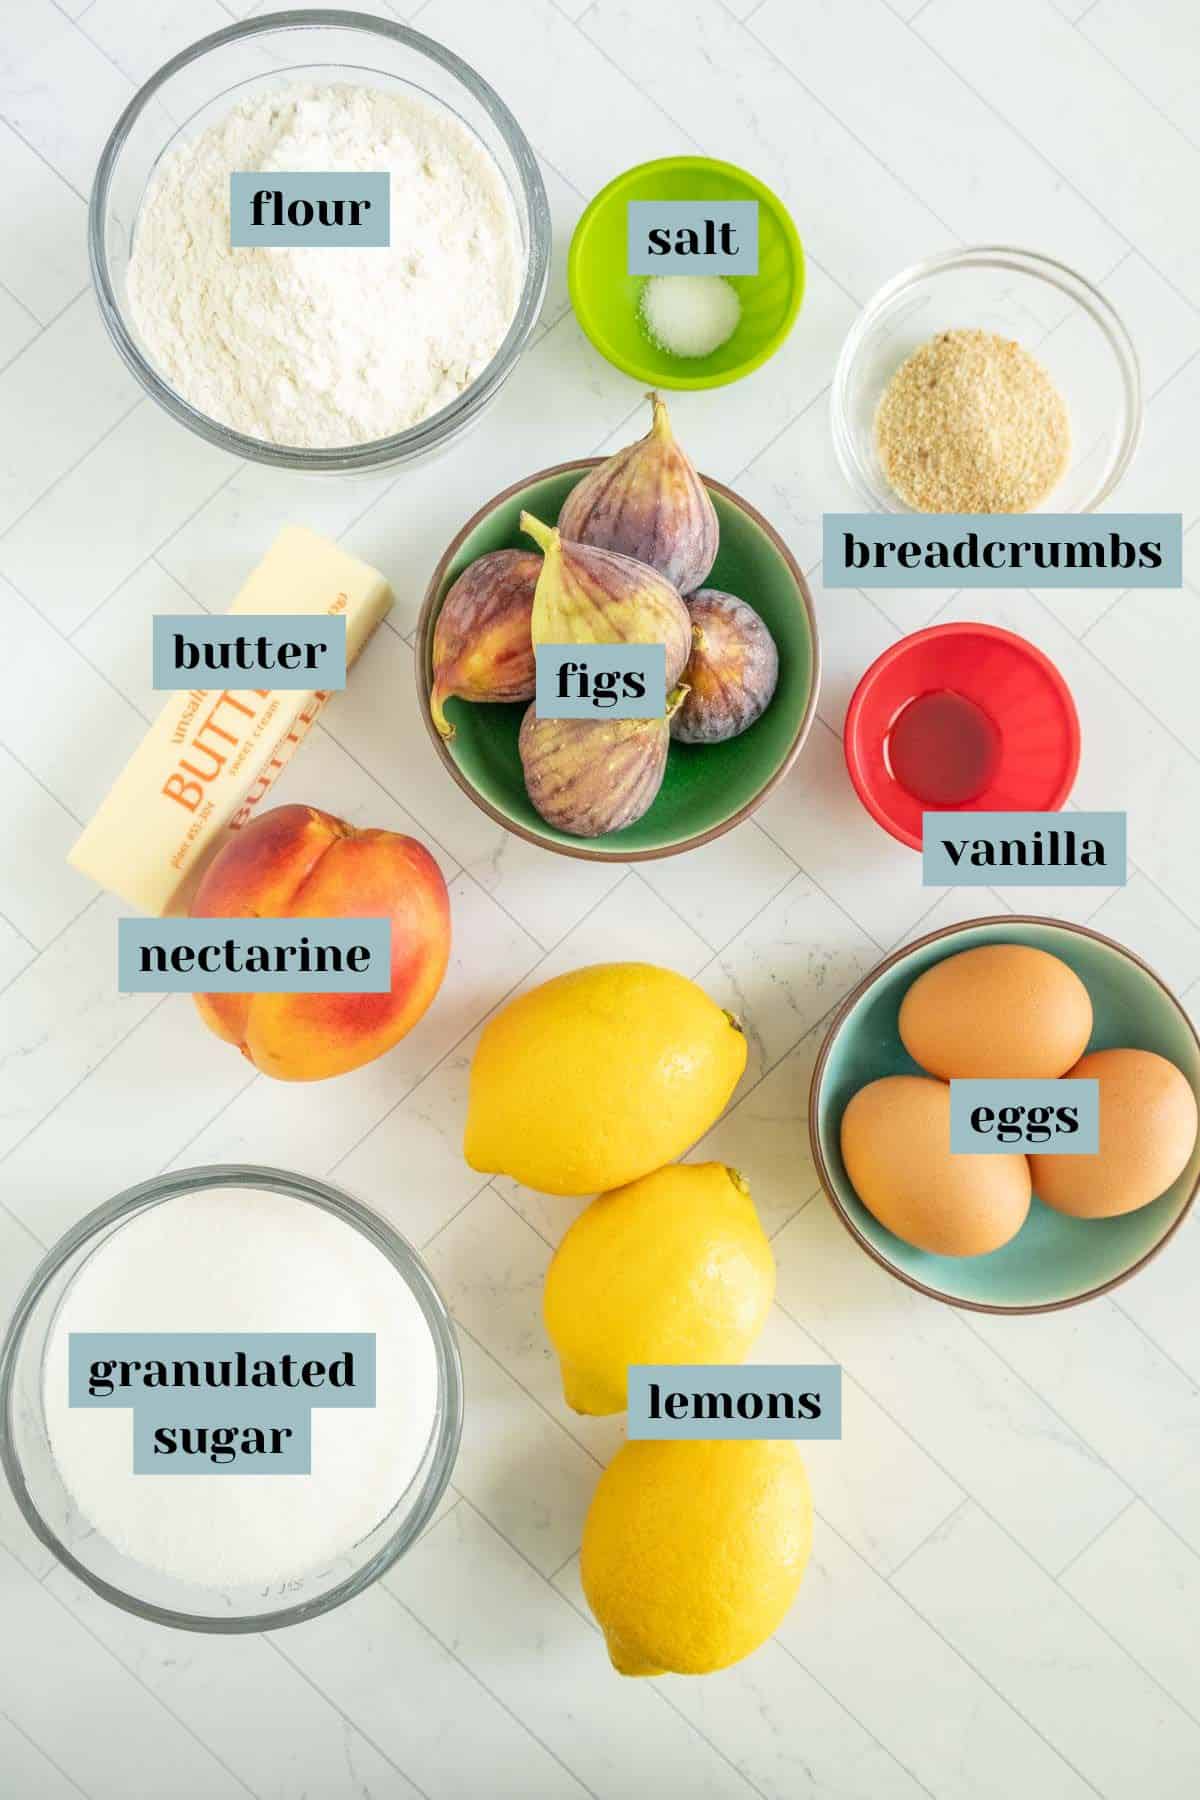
{"points": [[296, 862]]}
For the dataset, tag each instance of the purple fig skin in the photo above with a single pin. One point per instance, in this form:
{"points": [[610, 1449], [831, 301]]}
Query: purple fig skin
{"points": [[588, 777], [590, 596], [648, 502], [731, 674], [483, 640]]}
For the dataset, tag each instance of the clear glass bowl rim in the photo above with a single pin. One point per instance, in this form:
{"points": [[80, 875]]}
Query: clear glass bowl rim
{"points": [[447, 1431], [1002, 256], [418, 439]]}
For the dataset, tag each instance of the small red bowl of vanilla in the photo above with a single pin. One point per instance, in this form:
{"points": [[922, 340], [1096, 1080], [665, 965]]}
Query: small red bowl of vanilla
{"points": [[961, 717]]}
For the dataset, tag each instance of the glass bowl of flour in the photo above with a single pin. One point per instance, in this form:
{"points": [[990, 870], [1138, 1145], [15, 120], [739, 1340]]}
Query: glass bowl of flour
{"points": [[326, 358], [241, 1320]]}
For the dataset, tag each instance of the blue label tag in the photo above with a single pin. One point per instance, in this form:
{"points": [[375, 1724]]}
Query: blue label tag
{"points": [[734, 1400], [279, 650], [1023, 849], [254, 956], [996, 1118], [693, 237], [601, 681], [282, 208], [221, 1402], [990, 550]]}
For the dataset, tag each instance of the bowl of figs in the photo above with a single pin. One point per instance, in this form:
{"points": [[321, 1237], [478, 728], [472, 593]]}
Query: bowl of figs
{"points": [[636, 549]]}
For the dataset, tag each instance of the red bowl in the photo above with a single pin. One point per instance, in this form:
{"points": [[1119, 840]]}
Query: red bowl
{"points": [[1027, 711]]}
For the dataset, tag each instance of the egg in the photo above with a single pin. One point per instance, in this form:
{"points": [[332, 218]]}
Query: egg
{"points": [[1147, 1134], [999, 1010], [895, 1137]]}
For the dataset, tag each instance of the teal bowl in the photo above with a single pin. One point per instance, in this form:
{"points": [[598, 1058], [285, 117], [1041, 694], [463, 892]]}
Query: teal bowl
{"points": [[707, 788], [1053, 1261]]}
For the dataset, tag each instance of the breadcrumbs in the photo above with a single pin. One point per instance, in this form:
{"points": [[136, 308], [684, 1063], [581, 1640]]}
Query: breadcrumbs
{"points": [[971, 423]]}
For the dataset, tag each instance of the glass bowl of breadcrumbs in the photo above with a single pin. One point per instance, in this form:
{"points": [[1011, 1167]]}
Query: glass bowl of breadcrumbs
{"points": [[986, 380]]}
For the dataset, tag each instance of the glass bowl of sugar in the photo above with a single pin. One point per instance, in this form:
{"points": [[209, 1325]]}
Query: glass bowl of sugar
{"points": [[230, 1399], [358, 348]]}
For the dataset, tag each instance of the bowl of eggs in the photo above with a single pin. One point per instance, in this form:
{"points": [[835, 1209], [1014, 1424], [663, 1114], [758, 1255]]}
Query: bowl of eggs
{"points": [[1008, 998]]}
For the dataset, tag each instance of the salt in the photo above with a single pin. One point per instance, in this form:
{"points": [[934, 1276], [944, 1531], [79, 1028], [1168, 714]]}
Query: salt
{"points": [[690, 315], [245, 1260]]}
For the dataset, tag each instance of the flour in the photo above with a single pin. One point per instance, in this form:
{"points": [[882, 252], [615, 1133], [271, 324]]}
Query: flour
{"points": [[320, 347], [245, 1260]]}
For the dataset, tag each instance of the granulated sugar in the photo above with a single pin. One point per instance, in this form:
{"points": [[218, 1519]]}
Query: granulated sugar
{"points": [[972, 423], [245, 1260]]}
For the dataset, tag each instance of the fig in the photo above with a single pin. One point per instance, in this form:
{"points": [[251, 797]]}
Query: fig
{"points": [[482, 642], [590, 596], [592, 776], [731, 673], [648, 502]]}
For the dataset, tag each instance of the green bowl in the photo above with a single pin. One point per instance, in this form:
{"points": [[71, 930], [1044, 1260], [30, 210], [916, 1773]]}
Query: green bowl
{"points": [[606, 297], [707, 789], [1053, 1261]]}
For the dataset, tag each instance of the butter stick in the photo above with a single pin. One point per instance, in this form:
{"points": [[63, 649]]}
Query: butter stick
{"points": [[212, 754]]}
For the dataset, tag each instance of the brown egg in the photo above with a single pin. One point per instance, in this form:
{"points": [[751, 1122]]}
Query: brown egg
{"points": [[1002, 1009], [896, 1148], [1147, 1134]]}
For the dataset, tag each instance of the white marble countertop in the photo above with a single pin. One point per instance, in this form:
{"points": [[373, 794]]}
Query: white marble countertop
{"points": [[1006, 1577]]}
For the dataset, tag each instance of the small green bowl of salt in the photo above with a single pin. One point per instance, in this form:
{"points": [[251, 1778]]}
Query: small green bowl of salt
{"points": [[632, 318]]}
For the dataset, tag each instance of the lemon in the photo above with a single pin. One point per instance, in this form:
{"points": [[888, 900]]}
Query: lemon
{"points": [[598, 1077], [693, 1551], [673, 1268]]}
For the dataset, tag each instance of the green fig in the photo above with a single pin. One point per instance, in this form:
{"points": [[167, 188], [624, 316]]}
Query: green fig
{"points": [[590, 596], [482, 642], [648, 502], [592, 776], [731, 673]]}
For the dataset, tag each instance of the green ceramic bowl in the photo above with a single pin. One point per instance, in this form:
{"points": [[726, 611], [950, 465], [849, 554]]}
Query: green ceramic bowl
{"points": [[707, 788], [606, 297], [1053, 1261]]}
